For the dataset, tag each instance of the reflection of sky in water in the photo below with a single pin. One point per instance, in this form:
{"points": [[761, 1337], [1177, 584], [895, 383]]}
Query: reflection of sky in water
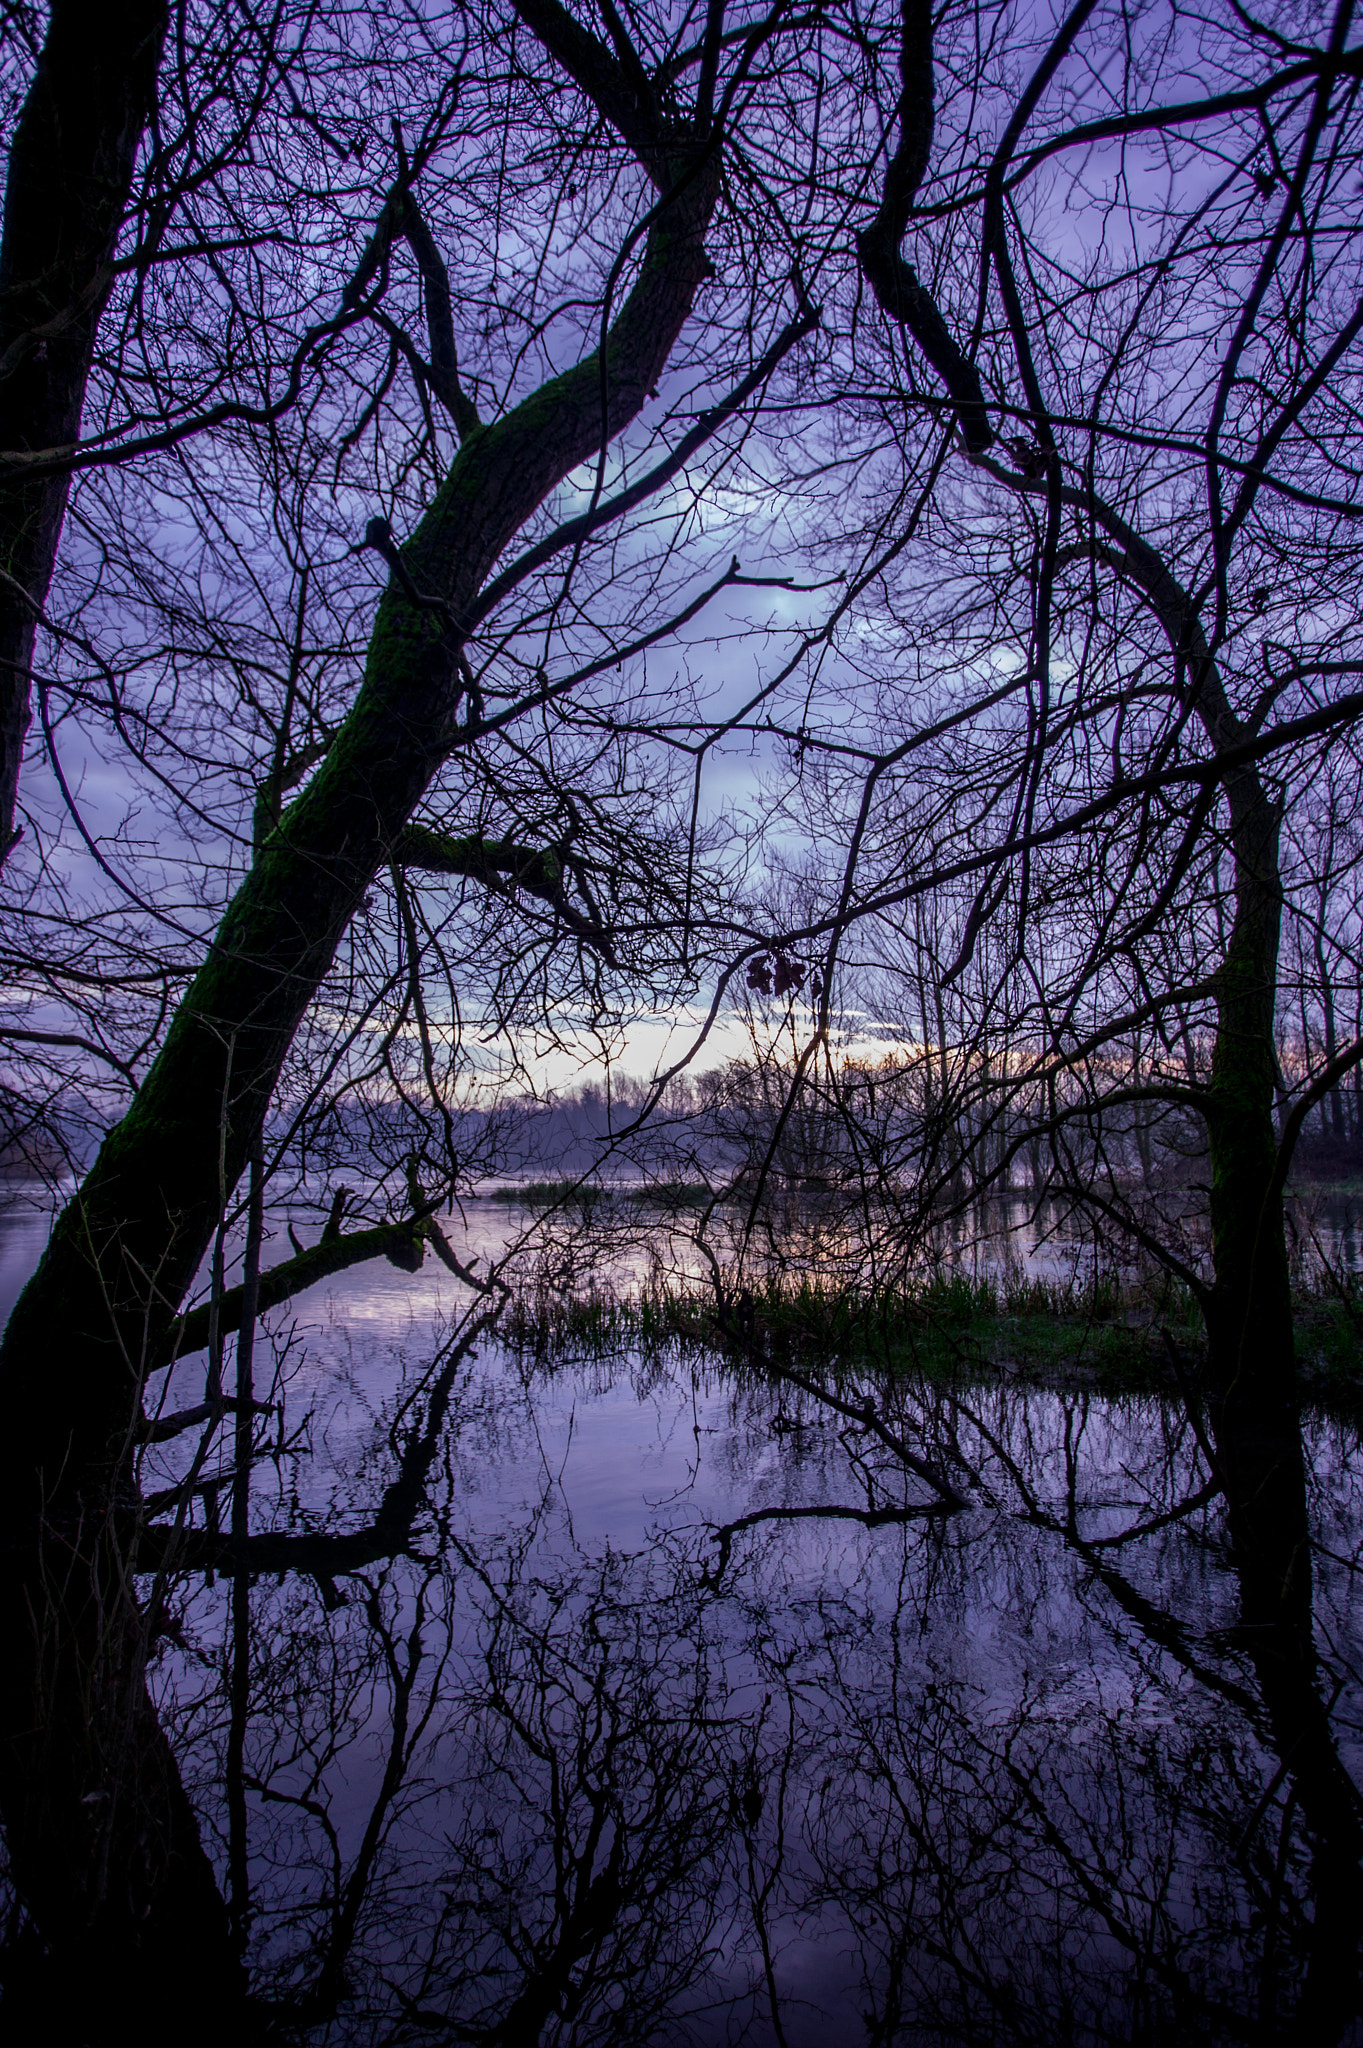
{"points": [[25, 1218], [379, 1294], [974, 1777]]}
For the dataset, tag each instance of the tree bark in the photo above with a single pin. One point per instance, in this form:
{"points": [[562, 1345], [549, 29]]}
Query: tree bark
{"points": [[1251, 1355], [1251, 1362], [70, 176], [126, 1249], [103, 1843], [1251, 1370], [99, 1313], [1251, 1359]]}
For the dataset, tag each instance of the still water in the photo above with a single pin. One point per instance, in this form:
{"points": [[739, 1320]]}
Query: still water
{"points": [[658, 1702]]}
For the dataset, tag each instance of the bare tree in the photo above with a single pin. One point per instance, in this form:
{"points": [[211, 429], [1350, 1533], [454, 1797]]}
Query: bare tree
{"points": [[1116, 635], [438, 701], [1086, 566]]}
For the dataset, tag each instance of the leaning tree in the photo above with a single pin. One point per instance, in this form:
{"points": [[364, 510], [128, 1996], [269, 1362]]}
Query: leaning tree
{"points": [[474, 296]]}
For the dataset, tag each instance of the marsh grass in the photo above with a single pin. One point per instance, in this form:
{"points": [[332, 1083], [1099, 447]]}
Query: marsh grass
{"points": [[1329, 1327], [945, 1324], [1103, 1330], [577, 1194]]}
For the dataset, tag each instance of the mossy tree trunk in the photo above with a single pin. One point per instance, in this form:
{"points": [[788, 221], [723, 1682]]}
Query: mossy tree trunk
{"points": [[1251, 1363], [102, 1836], [125, 1250], [1251, 1367]]}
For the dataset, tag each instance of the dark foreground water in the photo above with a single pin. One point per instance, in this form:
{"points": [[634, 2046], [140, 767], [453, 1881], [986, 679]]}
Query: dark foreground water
{"points": [[660, 1704]]}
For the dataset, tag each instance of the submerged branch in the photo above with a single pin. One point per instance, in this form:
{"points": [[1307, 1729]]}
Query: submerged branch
{"points": [[403, 1244]]}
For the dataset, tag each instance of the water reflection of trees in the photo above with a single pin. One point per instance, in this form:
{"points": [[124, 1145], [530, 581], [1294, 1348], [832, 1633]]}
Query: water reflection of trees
{"points": [[515, 1816], [1045, 1769]]}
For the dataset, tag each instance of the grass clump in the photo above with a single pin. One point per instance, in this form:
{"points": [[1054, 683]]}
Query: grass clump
{"points": [[667, 1194], [1106, 1330], [948, 1324]]}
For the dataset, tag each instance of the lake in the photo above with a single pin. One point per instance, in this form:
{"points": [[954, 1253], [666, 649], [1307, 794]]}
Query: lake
{"points": [[660, 1701]]}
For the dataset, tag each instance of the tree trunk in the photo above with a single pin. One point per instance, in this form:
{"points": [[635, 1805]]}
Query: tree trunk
{"points": [[103, 1842], [127, 1247], [97, 1315], [70, 174], [1252, 1380], [1273, 1563], [1251, 1356], [1334, 1101]]}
